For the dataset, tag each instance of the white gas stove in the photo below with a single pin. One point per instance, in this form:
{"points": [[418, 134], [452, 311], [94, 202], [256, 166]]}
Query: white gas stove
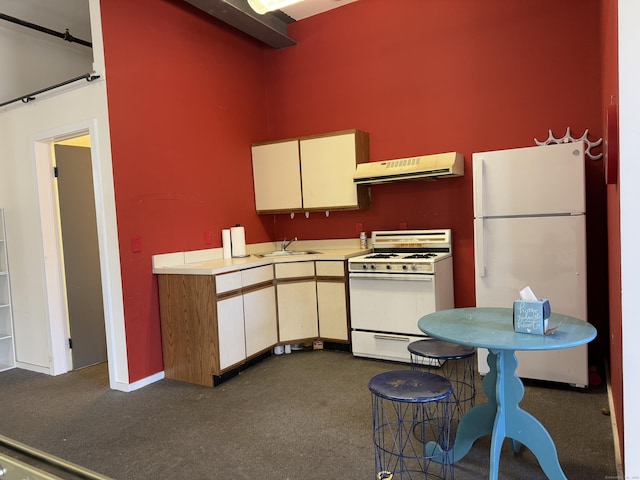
{"points": [[404, 251], [409, 274]]}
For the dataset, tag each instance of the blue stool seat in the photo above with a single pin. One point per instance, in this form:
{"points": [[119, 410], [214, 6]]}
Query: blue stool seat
{"points": [[452, 361], [412, 408], [409, 386], [438, 349]]}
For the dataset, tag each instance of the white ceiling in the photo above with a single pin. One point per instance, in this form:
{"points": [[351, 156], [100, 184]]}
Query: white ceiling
{"points": [[60, 15]]}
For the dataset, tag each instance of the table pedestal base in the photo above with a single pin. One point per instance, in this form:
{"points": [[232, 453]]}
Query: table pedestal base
{"points": [[501, 417]]}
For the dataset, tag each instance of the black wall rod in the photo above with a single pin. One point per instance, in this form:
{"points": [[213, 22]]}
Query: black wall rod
{"points": [[89, 77], [65, 36]]}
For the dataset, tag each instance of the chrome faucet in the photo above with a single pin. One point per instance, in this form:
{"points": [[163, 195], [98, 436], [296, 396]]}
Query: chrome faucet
{"points": [[285, 244]]}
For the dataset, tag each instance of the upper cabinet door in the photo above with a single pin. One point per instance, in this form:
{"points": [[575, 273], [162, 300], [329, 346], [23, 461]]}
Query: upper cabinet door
{"points": [[276, 176], [311, 173], [328, 165]]}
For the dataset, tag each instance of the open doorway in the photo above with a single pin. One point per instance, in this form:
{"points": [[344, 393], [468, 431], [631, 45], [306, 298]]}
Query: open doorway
{"points": [[74, 276], [107, 239], [80, 251]]}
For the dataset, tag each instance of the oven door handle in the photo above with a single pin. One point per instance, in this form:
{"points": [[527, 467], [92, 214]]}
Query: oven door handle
{"points": [[380, 336], [392, 276]]}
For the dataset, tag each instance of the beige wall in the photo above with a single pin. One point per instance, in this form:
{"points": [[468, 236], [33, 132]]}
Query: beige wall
{"points": [[629, 78], [25, 133]]}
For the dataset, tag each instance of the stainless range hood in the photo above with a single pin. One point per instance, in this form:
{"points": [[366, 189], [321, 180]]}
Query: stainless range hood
{"points": [[426, 167]]}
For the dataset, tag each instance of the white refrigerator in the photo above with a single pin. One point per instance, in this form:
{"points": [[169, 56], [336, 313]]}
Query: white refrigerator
{"points": [[529, 230]]}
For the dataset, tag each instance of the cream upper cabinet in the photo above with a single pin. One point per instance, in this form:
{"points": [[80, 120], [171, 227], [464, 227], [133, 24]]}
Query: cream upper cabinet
{"points": [[311, 173], [328, 165], [276, 176]]}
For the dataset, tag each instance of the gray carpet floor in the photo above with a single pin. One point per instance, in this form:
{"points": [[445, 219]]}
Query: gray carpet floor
{"points": [[302, 416]]}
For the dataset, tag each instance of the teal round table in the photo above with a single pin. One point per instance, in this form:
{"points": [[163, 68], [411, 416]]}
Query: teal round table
{"points": [[501, 417]]}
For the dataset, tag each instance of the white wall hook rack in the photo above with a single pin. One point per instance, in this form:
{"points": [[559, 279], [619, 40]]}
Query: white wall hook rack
{"points": [[568, 138]]}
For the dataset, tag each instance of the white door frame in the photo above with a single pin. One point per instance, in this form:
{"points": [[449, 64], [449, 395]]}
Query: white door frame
{"points": [[107, 244]]}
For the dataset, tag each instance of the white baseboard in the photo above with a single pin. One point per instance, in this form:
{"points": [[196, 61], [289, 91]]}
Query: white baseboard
{"points": [[130, 387], [34, 368], [614, 425]]}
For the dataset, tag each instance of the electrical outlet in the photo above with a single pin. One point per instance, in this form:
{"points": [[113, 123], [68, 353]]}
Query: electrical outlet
{"points": [[136, 244]]}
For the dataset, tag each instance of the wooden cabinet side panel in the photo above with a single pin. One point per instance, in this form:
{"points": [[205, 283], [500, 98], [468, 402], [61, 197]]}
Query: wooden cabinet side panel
{"points": [[362, 156], [189, 334]]}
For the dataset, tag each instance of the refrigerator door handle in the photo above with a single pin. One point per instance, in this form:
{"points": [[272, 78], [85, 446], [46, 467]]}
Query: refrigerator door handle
{"points": [[481, 270], [478, 187]]}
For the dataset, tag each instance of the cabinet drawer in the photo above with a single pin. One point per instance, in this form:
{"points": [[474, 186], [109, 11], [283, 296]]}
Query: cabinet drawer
{"points": [[252, 276], [382, 346], [228, 282], [330, 269], [295, 269]]}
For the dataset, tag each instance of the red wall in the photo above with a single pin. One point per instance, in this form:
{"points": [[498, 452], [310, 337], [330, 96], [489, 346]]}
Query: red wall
{"points": [[434, 76], [186, 99], [188, 96]]}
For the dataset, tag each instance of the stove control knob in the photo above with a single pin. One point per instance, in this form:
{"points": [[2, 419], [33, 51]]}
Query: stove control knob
{"points": [[404, 267], [364, 266], [388, 267], [373, 267], [414, 267]]}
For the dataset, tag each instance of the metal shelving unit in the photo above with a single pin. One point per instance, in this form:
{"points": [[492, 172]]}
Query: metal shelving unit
{"points": [[7, 349]]}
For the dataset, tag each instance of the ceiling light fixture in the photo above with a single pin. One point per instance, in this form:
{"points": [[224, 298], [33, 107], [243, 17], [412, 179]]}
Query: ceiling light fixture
{"points": [[264, 6]]}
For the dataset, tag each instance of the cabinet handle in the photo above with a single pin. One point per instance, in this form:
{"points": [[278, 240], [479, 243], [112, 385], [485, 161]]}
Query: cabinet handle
{"points": [[391, 337]]}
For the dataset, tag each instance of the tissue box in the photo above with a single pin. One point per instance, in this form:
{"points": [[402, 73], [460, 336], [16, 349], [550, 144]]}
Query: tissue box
{"points": [[531, 316]]}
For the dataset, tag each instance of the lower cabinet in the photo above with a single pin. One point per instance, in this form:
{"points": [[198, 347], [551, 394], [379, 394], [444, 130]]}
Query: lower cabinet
{"points": [[332, 311], [296, 294], [331, 288], [312, 301], [231, 332], [247, 325], [260, 320], [212, 324]]}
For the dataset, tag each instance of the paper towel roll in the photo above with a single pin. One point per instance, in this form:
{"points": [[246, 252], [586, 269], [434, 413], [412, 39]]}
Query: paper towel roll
{"points": [[226, 243], [238, 246]]}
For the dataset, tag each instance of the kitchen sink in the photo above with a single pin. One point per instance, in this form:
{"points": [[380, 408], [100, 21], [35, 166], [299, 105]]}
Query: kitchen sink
{"points": [[286, 253]]}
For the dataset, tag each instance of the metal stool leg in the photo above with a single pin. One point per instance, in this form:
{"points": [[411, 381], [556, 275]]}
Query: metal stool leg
{"points": [[410, 410]]}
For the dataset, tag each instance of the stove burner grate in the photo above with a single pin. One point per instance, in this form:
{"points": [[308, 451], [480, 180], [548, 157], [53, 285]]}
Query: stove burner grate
{"points": [[382, 255], [421, 255]]}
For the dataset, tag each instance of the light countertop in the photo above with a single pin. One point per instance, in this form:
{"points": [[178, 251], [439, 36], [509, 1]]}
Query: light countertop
{"points": [[210, 261]]}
